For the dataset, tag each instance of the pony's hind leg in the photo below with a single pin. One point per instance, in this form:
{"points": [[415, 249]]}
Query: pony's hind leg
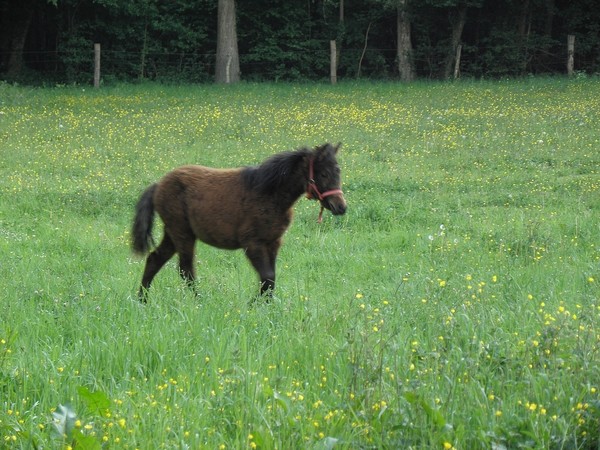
{"points": [[154, 263]]}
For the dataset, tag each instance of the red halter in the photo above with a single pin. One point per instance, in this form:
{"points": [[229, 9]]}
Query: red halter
{"points": [[313, 189]]}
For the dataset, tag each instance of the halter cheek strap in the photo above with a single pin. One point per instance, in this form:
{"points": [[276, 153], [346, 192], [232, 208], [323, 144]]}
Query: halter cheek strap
{"points": [[312, 191]]}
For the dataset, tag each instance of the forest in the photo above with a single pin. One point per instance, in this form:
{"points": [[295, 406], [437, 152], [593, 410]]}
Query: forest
{"points": [[52, 41]]}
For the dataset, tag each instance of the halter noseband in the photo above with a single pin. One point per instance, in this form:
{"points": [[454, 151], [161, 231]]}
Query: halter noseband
{"points": [[312, 191]]}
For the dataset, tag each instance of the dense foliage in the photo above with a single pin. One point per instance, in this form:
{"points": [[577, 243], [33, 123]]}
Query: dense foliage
{"points": [[176, 40]]}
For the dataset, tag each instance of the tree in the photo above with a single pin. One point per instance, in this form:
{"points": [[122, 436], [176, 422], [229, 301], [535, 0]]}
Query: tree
{"points": [[16, 20], [404, 48], [228, 61], [406, 67], [52, 40], [458, 18]]}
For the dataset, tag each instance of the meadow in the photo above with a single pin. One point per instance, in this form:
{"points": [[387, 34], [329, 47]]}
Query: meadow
{"points": [[456, 305]]}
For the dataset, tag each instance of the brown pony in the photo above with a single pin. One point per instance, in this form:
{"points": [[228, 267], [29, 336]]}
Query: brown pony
{"points": [[248, 208]]}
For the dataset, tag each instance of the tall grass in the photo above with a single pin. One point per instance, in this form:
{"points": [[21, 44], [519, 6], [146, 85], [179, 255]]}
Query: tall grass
{"points": [[455, 305]]}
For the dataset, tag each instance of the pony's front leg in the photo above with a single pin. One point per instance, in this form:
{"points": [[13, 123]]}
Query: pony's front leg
{"points": [[263, 259], [186, 262]]}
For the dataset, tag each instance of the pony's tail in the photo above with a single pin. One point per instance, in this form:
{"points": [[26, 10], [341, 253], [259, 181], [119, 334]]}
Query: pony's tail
{"points": [[141, 231]]}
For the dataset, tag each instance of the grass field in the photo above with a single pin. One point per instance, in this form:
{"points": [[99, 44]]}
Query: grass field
{"points": [[455, 305]]}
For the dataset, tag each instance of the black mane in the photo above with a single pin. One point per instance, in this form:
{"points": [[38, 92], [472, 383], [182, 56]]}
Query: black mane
{"points": [[275, 172]]}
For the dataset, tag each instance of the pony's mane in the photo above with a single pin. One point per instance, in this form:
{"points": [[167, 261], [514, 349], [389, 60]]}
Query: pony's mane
{"points": [[273, 173]]}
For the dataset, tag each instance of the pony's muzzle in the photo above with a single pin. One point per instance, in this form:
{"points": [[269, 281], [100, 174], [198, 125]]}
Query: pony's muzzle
{"points": [[336, 204]]}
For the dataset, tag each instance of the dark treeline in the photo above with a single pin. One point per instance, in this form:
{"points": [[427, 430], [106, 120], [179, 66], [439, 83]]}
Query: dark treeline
{"points": [[175, 40]]}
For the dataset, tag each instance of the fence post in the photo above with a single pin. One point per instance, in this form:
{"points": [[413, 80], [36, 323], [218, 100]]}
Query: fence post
{"points": [[333, 62], [96, 65], [457, 62], [571, 53]]}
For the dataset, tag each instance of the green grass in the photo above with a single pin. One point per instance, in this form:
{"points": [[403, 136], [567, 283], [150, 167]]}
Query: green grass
{"points": [[455, 305]]}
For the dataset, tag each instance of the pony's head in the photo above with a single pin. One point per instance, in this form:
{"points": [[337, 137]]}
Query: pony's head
{"points": [[324, 183]]}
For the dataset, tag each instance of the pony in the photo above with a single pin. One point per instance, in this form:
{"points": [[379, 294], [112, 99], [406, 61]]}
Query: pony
{"points": [[247, 208]]}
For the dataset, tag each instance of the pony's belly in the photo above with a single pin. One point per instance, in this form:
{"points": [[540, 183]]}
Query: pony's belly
{"points": [[248, 230], [220, 234]]}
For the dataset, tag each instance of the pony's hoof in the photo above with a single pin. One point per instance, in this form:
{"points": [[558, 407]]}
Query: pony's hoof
{"points": [[143, 296]]}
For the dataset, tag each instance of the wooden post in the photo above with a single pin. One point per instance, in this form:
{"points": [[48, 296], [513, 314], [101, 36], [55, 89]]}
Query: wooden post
{"points": [[144, 50], [457, 62], [96, 65], [333, 62], [571, 53]]}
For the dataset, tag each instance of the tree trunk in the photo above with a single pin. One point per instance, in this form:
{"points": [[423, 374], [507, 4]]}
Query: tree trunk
{"points": [[544, 53], [524, 28], [458, 24], [550, 12], [4, 35], [362, 56], [340, 35], [14, 65], [228, 62], [524, 20], [406, 66], [144, 51]]}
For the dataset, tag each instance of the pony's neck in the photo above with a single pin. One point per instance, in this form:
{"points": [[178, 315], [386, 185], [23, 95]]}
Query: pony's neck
{"points": [[281, 179], [293, 184]]}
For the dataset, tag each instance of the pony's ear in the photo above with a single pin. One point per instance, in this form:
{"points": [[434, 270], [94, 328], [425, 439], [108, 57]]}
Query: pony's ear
{"points": [[326, 147]]}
